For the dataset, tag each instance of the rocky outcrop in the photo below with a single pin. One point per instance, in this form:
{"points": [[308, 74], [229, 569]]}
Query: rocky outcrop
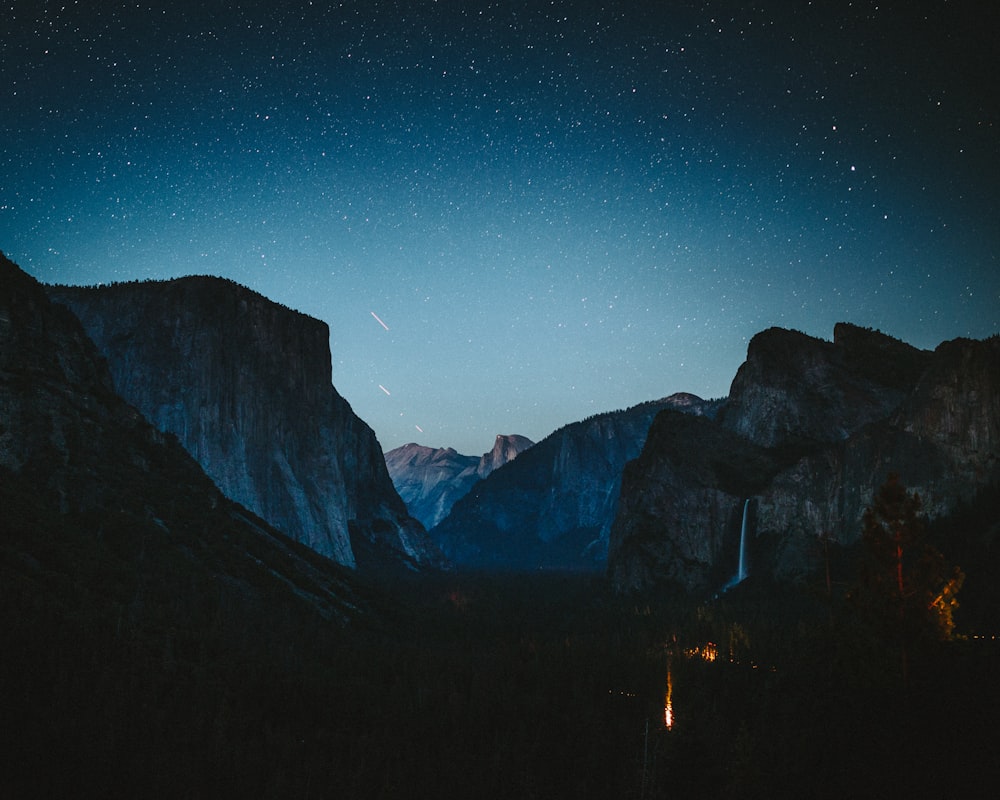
{"points": [[811, 431], [682, 503], [96, 498], [553, 506], [942, 441], [505, 449], [245, 385], [794, 390], [430, 480]]}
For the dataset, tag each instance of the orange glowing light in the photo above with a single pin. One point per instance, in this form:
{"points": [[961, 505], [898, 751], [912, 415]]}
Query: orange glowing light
{"points": [[707, 652], [668, 702]]}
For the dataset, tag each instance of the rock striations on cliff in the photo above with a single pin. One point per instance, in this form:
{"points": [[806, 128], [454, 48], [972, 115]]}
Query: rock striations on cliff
{"points": [[506, 447], [101, 509], [245, 385], [430, 480], [810, 431], [553, 506]]}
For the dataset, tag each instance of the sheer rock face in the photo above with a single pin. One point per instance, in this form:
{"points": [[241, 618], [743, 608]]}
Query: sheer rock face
{"points": [[505, 449], [553, 506], [811, 450], [245, 385], [75, 456], [682, 502], [430, 480]]}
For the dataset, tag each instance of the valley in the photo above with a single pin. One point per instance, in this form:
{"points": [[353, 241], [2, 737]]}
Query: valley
{"points": [[186, 614]]}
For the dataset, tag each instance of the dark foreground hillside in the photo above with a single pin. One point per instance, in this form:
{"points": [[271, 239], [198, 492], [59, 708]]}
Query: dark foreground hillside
{"points": [[473, 686]]}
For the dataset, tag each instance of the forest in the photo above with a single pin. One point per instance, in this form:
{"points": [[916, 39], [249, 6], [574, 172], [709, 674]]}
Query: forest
{"points": [[542, 684]]}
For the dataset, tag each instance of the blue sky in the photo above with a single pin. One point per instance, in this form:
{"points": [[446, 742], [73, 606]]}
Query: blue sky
{"points": [[556, 208]]}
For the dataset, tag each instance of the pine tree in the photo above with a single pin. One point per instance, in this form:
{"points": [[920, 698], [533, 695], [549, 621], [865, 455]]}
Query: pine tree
{"points": [[906, 588]]}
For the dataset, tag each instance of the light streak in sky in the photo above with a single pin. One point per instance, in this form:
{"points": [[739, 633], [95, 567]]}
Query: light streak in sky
{"points": [[379, 320], [380, 386], [419, 428]]}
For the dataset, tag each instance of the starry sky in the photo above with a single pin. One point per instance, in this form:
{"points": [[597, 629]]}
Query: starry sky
{"points": [[514, 215]]}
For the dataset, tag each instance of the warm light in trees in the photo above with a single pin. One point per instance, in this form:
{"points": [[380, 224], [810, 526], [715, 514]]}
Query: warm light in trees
{"points": [[668, 702], [942, 607], [906, 588], [707, 652]]}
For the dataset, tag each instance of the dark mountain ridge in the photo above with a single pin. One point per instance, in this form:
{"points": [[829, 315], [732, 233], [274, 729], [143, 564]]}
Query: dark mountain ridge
{"points": [[794, 389], [245, 384], [553, 506], [810, 431]]}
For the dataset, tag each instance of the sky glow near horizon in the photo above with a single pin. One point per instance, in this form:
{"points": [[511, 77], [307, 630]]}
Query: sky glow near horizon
{"points": [[515, 215]]}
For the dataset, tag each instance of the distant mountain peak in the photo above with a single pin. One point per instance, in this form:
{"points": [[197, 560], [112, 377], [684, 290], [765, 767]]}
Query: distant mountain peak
{"points": [[506, 447], [683, 399], [430, 480]]}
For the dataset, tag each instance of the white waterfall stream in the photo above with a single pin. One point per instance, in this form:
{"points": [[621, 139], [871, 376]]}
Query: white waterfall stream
{"points": [[741, 572], [741, 569]]}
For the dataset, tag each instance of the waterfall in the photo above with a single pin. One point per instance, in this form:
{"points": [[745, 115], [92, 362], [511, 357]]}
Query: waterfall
{"points": [[741, 572]]}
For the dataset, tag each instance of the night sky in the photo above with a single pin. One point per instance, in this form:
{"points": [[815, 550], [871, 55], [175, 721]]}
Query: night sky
{"points": [[514, 215]]}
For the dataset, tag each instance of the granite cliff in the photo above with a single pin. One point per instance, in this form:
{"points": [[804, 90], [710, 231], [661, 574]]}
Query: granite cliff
{"points": [[430, 480], [505, 449], [106, 513], [810, 431], [245, 385], [794, 390], [553, 506]]}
